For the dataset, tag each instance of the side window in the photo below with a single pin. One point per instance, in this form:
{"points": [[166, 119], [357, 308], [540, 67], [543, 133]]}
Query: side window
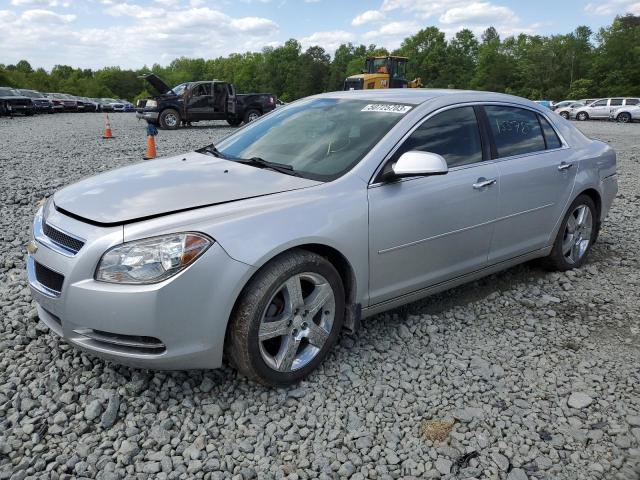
{"points": [[615, 102], [600, 103], [453, 134], [550, 135], [632, 101], [516, 131]]}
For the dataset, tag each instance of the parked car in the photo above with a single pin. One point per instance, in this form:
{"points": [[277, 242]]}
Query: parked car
{"points": [[562, 104], [195, 101], [565, 111], [70, 104], [626, 114], [545, 103], [42, 103], [90, 105], [117, 106], [324, 212], [128, 106], [106, 104], [57, 100], [13, 102], [601, 109]]}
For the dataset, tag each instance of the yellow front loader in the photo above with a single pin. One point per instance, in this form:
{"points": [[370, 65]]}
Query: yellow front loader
{"points": [[382, 72]]}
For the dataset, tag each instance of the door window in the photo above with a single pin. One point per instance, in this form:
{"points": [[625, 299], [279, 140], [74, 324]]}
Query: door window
{"points": [[202, 89], [632, 101], [516, 131], [600, 103], [615, 102], [550, 135], [453, 134]]}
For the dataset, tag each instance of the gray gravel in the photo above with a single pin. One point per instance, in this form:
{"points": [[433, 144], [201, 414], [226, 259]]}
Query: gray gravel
{"points": [[539, 372]]}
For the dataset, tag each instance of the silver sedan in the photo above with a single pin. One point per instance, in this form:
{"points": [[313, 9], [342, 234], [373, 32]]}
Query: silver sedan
{"points": [[325, 212]]}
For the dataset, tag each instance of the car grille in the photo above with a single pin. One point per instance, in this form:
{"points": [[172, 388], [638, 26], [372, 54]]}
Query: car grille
{"points": [[61, 239], [48, 278]]}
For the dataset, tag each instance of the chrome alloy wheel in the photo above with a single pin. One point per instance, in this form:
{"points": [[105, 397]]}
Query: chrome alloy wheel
{"points": [[296, 322], [577, 234], [253, 116]]}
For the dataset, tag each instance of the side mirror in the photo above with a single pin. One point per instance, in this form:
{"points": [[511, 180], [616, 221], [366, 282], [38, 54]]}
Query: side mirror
{"points": [[415, 163]]}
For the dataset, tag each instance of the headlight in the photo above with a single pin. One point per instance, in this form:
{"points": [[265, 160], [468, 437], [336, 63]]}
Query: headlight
{"points": [[151, 260], [151, 104]]}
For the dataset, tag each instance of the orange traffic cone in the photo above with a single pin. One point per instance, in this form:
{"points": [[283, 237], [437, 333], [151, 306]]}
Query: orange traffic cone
{"points": [[151, 148], [107, 128]]}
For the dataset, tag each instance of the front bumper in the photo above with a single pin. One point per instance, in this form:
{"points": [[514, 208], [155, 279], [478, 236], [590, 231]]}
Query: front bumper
{"points": [[173, 325], [148, 116]]}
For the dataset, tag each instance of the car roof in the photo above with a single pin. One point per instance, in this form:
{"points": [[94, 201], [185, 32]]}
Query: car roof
{"points": [[417, 96]]}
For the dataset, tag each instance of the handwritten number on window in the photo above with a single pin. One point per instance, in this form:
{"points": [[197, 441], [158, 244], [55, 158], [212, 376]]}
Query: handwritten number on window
{"points": [[517, 126]]}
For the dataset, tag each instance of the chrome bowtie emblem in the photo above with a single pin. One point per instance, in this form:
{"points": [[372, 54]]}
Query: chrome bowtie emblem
{"points": [[32, 247]]}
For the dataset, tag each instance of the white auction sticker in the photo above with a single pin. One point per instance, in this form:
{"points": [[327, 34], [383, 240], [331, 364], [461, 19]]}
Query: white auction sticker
{"points": [[386, 107]]}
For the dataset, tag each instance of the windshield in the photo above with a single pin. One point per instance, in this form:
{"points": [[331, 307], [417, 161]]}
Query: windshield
{"points": [[319, 138], [31, 93], [178, 89], [7, 92]]}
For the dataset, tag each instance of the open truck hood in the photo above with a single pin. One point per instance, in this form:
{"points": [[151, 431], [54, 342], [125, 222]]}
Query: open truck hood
{"points": [[157, 83], [170, 185]]}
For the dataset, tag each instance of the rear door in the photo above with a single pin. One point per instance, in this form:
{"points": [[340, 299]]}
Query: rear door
{"points": [[231, 99], [536, 179], [425, 230], [614, 104]]}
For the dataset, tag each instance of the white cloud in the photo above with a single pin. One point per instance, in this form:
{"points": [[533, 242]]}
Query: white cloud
{"points": [[370, 16], [479, 13], [41, 3], [193, 3], [46, 16], [329, 40], [613, 7], [254, 25], [136, 11]]}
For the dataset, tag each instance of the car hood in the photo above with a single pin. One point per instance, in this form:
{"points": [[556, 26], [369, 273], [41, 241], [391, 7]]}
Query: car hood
{"points": [[157, 83], [159, 187]]}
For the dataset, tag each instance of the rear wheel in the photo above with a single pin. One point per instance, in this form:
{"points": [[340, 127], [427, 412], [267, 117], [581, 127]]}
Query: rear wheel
{"points": [[287, 319], [251, 115], [576, 236], [169, 119], [624, 117], [582, 116]]}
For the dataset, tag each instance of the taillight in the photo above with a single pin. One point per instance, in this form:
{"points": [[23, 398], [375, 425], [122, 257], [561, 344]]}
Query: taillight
{"points": [[271, 100]]}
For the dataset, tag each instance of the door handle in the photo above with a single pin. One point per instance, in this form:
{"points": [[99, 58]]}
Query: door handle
{"points": [[565, 166], [483, 182]]}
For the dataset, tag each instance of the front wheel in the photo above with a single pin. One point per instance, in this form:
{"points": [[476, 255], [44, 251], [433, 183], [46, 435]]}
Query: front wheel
{"points": [[251, 115], [582, 116], [565, 115], [287, 319], [624, 117], [577, 234], [169, 119], [234, 121]]}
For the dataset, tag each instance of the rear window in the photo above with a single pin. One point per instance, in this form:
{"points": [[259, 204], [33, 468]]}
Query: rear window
{"points": [[633, 101], [550, 136], [516, 131]]}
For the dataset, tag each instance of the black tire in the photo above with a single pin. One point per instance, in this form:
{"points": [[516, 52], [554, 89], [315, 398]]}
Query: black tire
{"points": [[624, 117], [234, 121], [557, 260], [242, 347], [565, 115], [169, 119], [251, 115], [582, 116]]}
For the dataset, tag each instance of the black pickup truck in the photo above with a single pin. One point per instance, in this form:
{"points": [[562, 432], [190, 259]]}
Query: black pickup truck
{"points": [[194, 101]]}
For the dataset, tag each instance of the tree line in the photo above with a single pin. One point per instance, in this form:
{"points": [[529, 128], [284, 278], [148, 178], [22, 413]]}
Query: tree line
{"points": [[579, 64]]}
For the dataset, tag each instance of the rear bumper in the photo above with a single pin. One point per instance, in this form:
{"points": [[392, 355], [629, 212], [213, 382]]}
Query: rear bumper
{"points": [[148, 116]]}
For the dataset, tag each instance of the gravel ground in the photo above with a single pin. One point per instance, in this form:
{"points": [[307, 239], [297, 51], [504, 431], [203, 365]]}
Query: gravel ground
{"points": [[525, 375]]}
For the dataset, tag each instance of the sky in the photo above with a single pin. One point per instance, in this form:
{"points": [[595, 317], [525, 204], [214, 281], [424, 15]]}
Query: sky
{"points": [[134, 33]]}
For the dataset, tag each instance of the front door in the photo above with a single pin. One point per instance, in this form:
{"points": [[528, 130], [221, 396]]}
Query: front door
{"points": [[599, 109], [200, 102], [536, 180], [425, 230]]}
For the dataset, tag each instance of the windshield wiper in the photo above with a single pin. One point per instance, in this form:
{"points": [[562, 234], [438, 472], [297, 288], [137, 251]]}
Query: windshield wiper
{"points": [[212, 150], [262, 163]]}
